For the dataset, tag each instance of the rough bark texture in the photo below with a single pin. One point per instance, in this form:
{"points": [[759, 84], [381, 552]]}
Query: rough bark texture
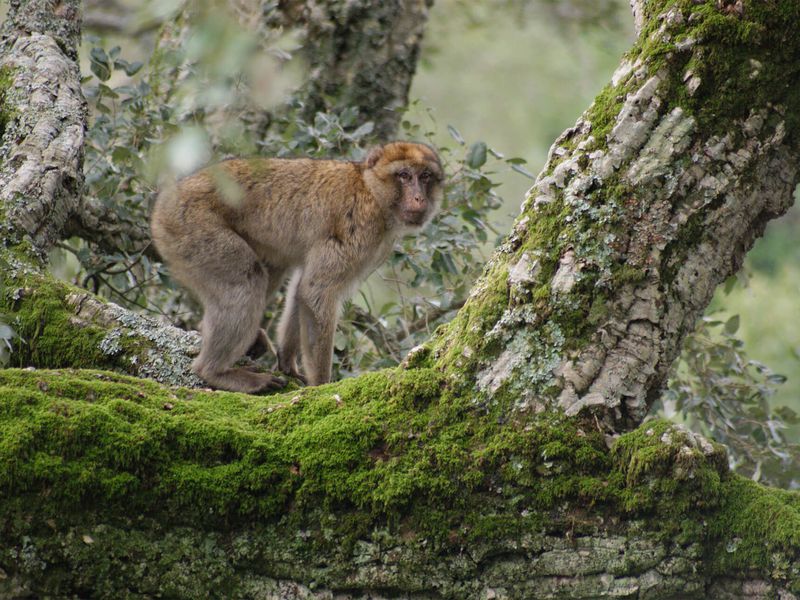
{"points": [[643, 208], [361, 54], [43, 120], [43, 117], [416, 482]]}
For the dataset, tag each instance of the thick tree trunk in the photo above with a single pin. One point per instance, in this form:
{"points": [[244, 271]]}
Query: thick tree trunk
{"points": [[482, 468], [361, 55], [643, 208], [43, 116]]}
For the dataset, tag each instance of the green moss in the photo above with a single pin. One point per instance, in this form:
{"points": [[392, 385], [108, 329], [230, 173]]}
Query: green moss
{"points": [[36, 307], [394, 451], [659, 461], [743, 62], [603, 112], [756, 527], [6, 114]]}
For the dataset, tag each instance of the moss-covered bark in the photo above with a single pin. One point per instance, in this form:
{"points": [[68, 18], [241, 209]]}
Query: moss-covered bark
{"points": [[384, 486], [643, 207]]}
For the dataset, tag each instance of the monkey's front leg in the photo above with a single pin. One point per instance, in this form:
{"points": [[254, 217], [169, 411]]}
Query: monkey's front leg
{"points": [[318, 316]]}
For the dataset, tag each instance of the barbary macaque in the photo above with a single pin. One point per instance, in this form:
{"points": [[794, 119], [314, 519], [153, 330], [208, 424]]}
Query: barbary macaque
{"points": [[234, 231]]}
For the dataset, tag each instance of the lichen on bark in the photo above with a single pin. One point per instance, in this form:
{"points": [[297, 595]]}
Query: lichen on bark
{"points": [[643, 207]]}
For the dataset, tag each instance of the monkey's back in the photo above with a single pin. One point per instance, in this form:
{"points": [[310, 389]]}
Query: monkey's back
{"points": [[281, 207]]}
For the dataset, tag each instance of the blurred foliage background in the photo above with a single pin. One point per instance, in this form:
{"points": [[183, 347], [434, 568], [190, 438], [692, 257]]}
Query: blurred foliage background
{"points": [[497, 82]]}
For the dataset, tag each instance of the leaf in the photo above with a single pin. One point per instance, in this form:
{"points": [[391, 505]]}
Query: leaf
{"points": [[455, 134], [99, 64], [476, 157], [129, 68], [787, 414], [732, 325], [776, 379], [729, 283], [121, 153], [516, 161], [363, 130], [523, 171], [6, 332]]}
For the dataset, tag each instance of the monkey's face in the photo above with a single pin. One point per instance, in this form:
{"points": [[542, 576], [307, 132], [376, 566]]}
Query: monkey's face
{"points": [[412, 176], [418, 186]]}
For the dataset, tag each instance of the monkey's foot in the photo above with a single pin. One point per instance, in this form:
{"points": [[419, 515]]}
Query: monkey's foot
{"points": [[259, 345], [288, 366], [244, 380], [293, 372]]}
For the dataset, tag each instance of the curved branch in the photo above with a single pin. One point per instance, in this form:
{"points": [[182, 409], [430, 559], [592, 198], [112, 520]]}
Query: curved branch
{"points": [[643, 208]]}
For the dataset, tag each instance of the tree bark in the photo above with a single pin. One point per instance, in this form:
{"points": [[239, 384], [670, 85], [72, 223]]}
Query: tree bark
{"points": [[41, 176], [644, 206], [44, 120], [492, 464], [361, 55]]}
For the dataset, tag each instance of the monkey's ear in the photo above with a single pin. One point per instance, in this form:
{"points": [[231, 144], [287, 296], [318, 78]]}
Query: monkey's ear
{"points": [[373, 156]]}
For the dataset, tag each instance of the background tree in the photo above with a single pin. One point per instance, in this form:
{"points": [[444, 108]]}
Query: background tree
{"points": [[494, 462]]}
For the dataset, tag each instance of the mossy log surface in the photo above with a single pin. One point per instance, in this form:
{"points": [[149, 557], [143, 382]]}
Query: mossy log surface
{"points": [[381, 487]]}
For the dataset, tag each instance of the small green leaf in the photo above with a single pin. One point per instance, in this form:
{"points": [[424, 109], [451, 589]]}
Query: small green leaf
{"points": [[455, 134], [729, 283], [523, 171], [732, 325], [363, 130], [476, 157], [776, 379], [99, 64]]}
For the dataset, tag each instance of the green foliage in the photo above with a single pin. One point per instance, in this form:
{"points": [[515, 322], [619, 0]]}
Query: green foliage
{"points": [[718, 390]]}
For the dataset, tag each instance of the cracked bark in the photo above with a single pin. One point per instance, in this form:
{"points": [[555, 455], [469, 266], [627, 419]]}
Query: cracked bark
{"points": [[41, 179], [687, 201]]}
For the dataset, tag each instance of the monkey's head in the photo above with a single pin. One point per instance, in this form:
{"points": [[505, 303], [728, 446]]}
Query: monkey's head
{"points": [[408, 178]]}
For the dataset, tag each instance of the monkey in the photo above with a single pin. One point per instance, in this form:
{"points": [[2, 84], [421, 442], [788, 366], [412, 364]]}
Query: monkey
{"points": [[233, 232]]}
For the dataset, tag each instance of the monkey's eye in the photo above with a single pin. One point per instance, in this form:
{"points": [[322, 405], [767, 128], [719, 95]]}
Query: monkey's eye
{"points": [[425, 176], [404, 175]]}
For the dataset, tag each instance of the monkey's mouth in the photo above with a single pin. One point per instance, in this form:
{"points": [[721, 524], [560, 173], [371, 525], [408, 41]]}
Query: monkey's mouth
{"points": [[413, 217]]}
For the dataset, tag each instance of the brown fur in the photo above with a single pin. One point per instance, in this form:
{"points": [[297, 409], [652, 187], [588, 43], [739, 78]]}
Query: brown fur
{"points": [[232, 233]]}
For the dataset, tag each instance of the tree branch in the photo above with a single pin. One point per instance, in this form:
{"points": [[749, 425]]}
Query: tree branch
{"points": [[643, 208], [41, 176]]}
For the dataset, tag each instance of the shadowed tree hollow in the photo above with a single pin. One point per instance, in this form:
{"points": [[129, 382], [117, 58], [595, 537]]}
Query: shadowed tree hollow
{"points": [[507, 457]]}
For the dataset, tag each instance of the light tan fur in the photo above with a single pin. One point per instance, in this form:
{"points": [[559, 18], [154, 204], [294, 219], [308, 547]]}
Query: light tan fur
{"points": [[234, 231]]}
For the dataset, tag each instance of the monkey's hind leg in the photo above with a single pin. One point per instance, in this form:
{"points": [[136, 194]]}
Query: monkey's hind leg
{"points": [[289, 331], [261, 344], [230, 326]]}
